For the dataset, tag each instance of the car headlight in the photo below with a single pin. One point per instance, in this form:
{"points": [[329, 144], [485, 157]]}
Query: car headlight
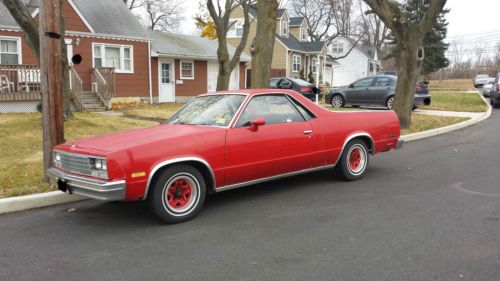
{"points": [[56, 155], [99, 168]]}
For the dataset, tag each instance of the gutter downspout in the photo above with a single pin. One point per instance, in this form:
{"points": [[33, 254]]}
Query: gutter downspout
{"points": [[149, 71]]}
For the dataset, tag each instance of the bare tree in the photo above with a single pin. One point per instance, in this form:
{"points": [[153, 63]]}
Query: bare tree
{"points": [[221, 15], [263, 44], [409, 35], [375, 31], [161, 15], [326, 19], [132, 4]]}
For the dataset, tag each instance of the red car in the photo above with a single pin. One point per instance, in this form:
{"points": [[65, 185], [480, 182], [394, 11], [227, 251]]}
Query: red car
{"points": [[218, 142]]}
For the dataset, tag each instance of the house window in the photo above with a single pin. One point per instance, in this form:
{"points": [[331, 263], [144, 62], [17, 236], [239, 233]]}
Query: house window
{"points": [[10, 50], [303, 35], [285, 28], [338, 48], [314, 65], [296, 63], [117, 56], [187, 70], [236, 29]]}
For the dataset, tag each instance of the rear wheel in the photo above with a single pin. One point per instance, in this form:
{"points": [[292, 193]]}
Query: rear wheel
{"points": [[178, 194], [389, 103], [337, 101], [353, 161]]}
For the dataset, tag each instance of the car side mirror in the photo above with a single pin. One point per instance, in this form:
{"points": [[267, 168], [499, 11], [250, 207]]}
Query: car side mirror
{"points": [[256, 123]]}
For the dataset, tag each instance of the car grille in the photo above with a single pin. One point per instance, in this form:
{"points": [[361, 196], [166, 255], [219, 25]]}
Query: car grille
{"points": [[78, 164]]}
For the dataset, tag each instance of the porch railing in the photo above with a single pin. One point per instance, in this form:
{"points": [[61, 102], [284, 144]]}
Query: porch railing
{"points": [[103, 84], [19, 82], [76, 88]]}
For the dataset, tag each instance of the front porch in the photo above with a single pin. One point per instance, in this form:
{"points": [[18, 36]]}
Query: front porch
{"points": [[20, 88]]}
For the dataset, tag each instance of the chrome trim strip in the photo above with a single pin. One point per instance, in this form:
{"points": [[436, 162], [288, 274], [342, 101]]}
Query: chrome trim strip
{"points": [[308, 132], [238, 185], [178, 160]]}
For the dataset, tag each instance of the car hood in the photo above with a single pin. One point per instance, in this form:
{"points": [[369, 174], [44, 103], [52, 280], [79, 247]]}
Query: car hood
{"points": [[124, 140]]}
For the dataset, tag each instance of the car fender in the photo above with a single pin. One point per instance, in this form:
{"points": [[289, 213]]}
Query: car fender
{"points": [[159, 165], [357, 135]]}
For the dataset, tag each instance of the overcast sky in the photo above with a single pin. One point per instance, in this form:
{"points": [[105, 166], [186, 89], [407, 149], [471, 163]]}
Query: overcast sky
{"points": [[469, 21]]}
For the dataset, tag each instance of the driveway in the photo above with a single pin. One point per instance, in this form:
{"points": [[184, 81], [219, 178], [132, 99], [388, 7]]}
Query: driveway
{"points": [[428, 212]]}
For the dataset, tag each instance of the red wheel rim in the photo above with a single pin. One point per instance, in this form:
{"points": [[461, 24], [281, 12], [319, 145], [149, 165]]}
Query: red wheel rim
{"points": [[355, 159], [179, 193]]}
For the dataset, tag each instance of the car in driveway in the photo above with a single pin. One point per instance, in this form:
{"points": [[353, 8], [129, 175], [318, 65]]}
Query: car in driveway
{"points": [[480, 80], [303, 87], [495, 92], [221, 141], [488, 87], [374, 90]]}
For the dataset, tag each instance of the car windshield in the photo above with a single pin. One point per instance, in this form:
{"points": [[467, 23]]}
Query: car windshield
{"points": [[300, 82], [216, 110]]}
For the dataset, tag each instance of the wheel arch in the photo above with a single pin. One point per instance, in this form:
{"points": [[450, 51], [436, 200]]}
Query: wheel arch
{"points": [[364, 136], [201, 165]]}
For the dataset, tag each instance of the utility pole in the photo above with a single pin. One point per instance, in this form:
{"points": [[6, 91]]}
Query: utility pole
{"points": [[51, 78]]}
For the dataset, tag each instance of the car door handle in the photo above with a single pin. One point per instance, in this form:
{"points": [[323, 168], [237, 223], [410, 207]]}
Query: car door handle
{"points": [[308, 132]]}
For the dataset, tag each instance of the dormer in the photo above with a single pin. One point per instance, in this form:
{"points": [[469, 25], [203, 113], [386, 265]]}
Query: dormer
{"points": [[298, 28], [283, 26]]}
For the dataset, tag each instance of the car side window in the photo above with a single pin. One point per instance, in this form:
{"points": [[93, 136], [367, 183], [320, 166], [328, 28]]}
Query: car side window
{"points": [[275, 109], [383, 82], [367, 82], [285, 83], [274, 83], [303, 110]]}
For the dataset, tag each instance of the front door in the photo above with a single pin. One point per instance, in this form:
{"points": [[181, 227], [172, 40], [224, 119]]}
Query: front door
{"points": [[166, 81], [284, 144]]}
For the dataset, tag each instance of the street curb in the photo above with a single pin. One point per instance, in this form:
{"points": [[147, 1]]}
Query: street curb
{"points": [[447, 129], [21, 203], [26, 202]]}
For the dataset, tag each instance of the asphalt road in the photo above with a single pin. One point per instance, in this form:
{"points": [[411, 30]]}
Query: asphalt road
{"points": [[428, 212]]}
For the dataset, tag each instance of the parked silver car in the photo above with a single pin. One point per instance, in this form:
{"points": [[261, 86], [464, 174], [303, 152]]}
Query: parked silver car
{"points": [[480, 80], [487, 88], [375, 90]]}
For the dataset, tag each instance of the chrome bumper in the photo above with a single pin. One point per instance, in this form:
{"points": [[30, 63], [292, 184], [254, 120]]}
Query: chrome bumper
{"points": [[400, 143], [95, 189]]}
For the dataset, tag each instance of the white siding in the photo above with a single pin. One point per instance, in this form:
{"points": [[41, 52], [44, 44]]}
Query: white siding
{"points": [[350, 68]]}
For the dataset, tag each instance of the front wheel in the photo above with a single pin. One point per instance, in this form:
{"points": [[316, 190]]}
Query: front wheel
{"points": [[353, 161], [178, 194], [389, 103], [338, 101]]}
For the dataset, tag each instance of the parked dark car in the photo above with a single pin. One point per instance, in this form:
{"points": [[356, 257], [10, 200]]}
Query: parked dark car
{"points": [[305, 88], [495, 92], [375, 90]]}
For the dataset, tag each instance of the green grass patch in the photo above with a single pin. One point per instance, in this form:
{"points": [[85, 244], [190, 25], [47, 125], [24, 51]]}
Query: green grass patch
{"points": [[456, 101], [451, 85], [421, 122], [21, 142]]}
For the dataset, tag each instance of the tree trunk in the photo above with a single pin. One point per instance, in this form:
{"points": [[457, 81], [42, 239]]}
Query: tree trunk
{"points": [[224, 74], [263, 43]]}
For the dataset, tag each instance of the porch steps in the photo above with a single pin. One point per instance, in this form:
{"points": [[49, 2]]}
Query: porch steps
{"points": [[92, 102]]}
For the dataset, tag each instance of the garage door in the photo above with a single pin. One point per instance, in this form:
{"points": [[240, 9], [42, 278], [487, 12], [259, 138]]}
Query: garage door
{"points": [[212, 71]]}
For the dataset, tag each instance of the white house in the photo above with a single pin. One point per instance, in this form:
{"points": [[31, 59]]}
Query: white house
{"points": [[360, 62]]}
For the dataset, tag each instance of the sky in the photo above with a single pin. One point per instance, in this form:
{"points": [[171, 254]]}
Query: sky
{"points": [[470, 22]]}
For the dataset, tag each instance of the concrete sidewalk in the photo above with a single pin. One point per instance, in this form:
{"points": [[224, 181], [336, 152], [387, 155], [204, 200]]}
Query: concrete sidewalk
{"points": [[450, 113]]}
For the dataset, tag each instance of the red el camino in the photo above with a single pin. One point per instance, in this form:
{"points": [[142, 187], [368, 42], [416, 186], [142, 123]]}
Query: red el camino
{"points": [[218, 142]]}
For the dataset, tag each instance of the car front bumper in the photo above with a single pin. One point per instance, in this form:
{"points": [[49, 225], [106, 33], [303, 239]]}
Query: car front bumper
{"points": [[86, 187], [421, 100]]}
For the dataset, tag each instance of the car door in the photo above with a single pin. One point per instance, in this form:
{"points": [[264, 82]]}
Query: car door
{"points": [[378, 92], [356, 92], [282, 145]]}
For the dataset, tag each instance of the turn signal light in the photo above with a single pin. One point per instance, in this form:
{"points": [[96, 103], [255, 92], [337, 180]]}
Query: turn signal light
{"points": [[305, 89]]}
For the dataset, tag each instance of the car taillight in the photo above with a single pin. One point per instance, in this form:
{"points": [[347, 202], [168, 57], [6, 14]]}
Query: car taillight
{"points": [[498, 88], [306, 89]]}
